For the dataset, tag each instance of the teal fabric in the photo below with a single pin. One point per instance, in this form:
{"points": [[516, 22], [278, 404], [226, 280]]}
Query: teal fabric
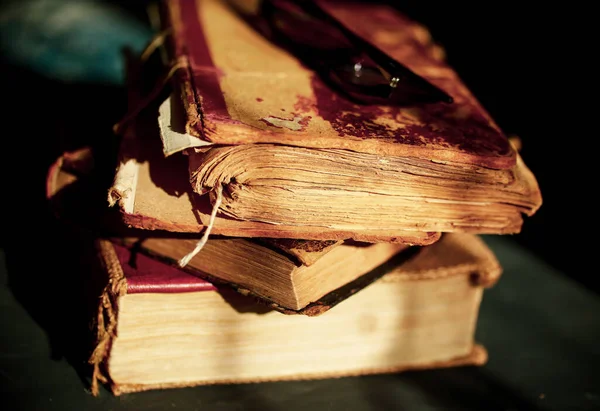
{"points": [[70, 41]]}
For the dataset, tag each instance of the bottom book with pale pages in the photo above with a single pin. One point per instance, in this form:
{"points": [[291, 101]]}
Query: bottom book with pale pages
{"points": [[160, 327]]}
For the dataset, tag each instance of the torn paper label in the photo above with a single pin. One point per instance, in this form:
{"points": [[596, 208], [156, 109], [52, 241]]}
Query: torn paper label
{"points": [[171, 121]]}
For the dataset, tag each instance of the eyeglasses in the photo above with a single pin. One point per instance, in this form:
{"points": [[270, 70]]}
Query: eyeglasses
{"points": [[344, 59]]}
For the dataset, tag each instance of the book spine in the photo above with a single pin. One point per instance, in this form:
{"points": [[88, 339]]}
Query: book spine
{"points": [[179, 57], [106, 318]]}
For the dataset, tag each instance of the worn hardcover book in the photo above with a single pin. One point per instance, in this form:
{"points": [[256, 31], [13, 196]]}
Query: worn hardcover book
{"points": [[291, 276], [160, 327], [278, 134], [153, 192], [276, 277]]}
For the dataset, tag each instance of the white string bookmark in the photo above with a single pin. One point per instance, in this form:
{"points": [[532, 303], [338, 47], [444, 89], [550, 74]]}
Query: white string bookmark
{"points": [[186, 259]]}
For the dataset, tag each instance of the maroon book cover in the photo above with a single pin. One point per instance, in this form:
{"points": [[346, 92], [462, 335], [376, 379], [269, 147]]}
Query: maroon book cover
{"points": [[145, 274], [236, 88]]}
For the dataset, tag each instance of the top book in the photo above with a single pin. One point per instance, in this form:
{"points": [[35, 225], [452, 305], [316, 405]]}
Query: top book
{"points": [[240, 87], [271, 138]]}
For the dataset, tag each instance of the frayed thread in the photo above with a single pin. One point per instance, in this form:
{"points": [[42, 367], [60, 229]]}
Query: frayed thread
{"points": [[186, 259]]}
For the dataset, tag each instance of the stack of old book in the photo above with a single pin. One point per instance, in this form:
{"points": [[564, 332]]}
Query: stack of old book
{"points": [[300, 199]]}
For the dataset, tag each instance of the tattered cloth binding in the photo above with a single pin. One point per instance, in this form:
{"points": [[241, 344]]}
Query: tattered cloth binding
{"points": [[274, 150], [160, 327]]}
